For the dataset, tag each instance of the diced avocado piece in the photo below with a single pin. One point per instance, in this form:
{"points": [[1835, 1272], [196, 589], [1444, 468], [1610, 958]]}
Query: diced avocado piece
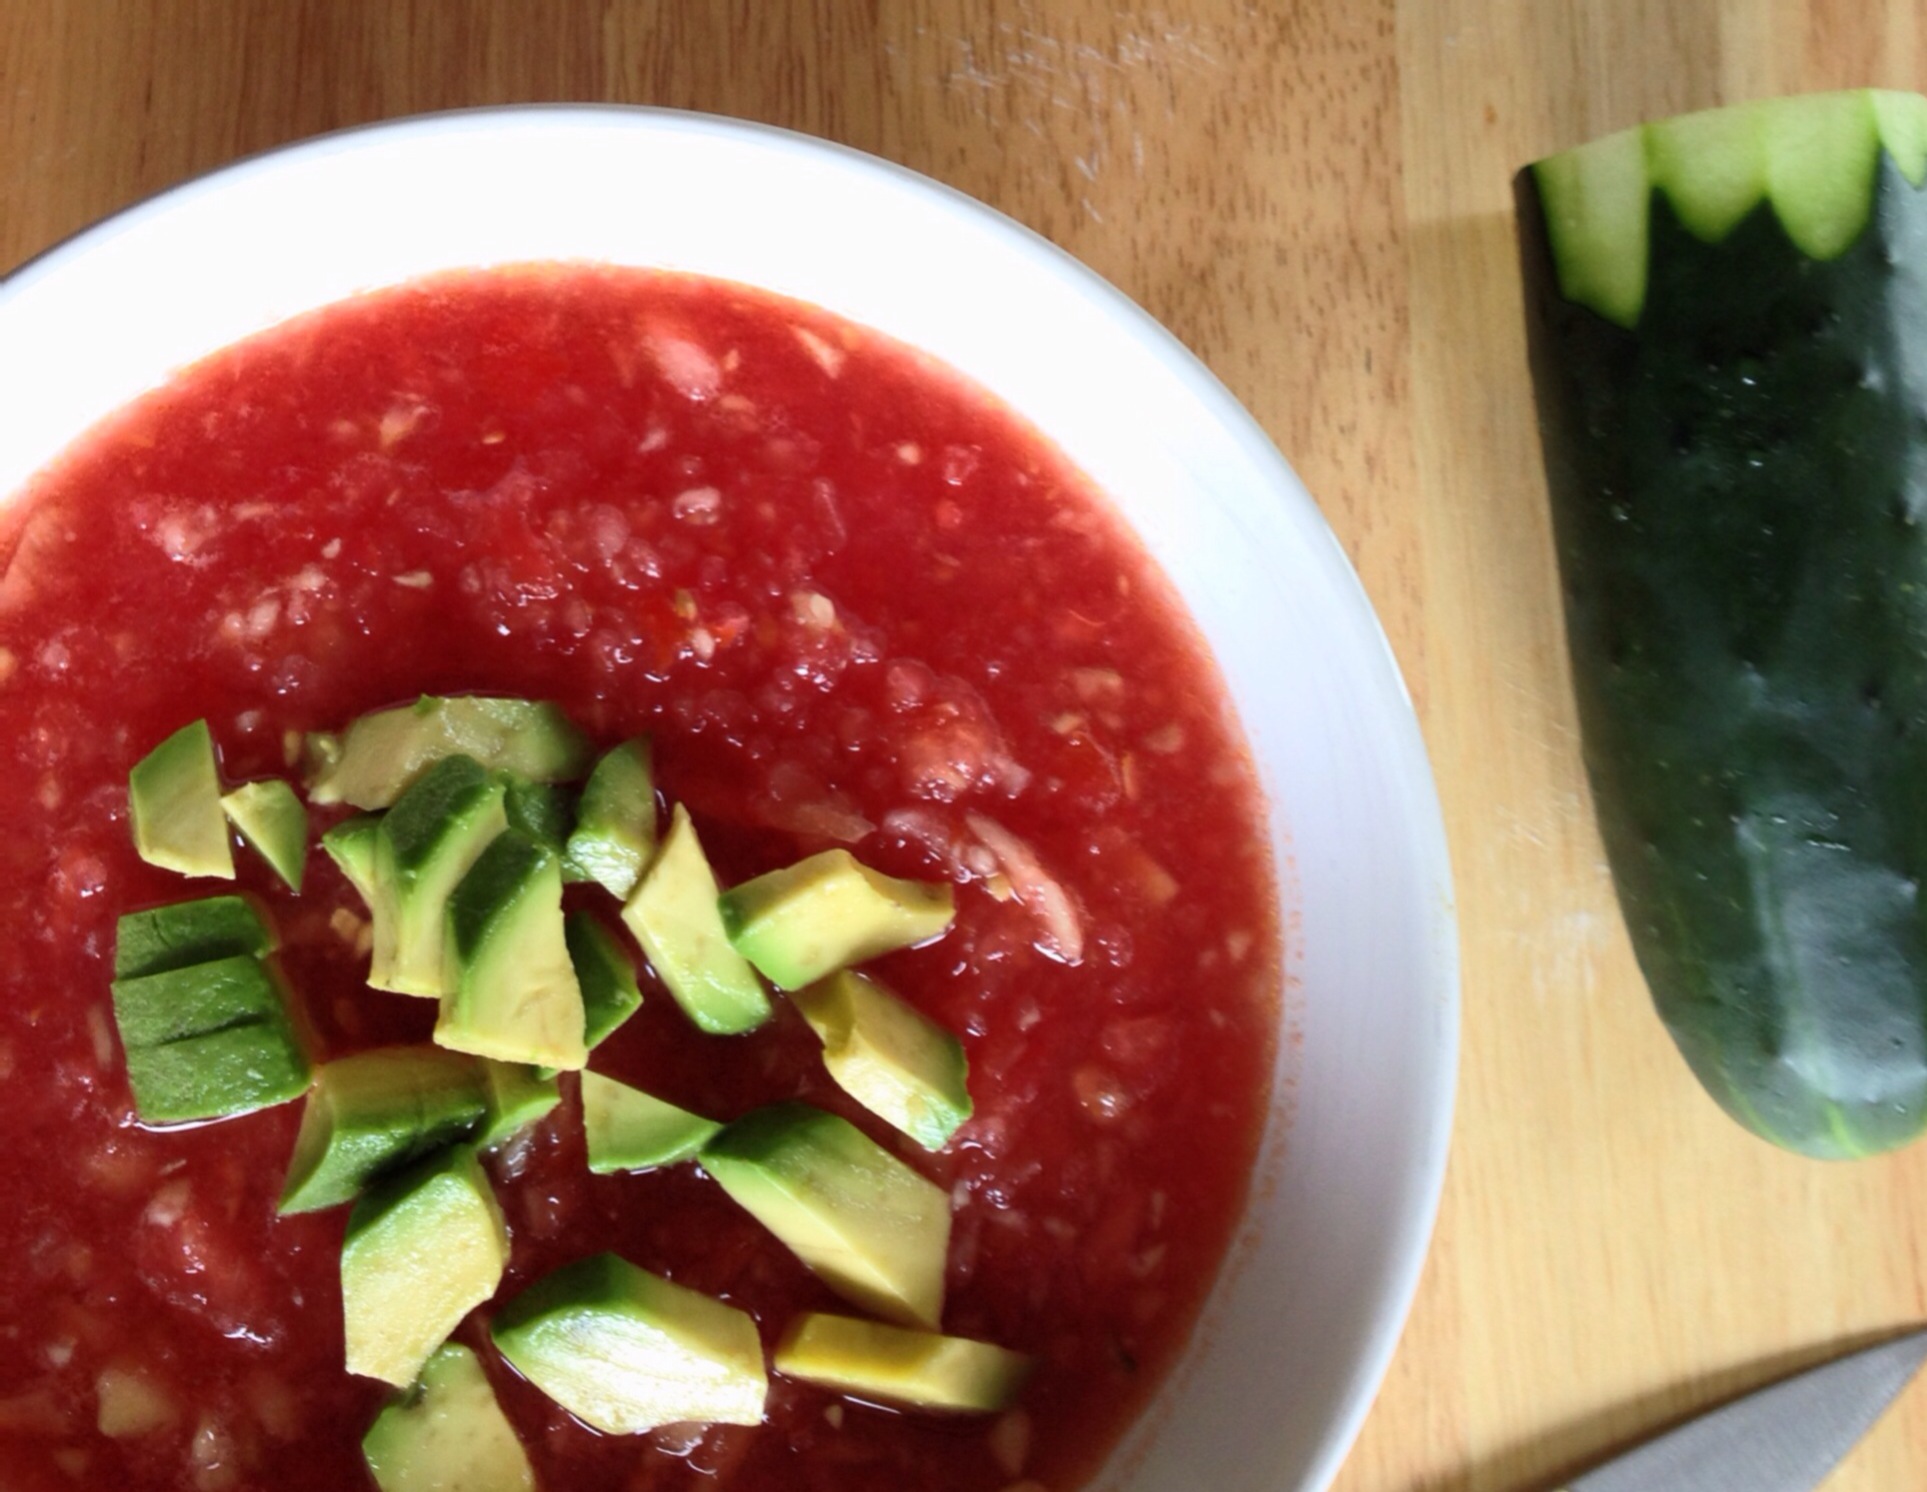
{"points": [[915, 1369], [423, 848], [175, 795], [351, 845], [624, 1350], [190, 932], [375, 1112], [320, 754], [271, 818], [867, 1225], [513, 994], [209, 1040], [828, 912], [615, 830], [194, 1000], [383, 753], [607, 975], [219, 1075], [673, 913], [629, 1130], [542, 810], [448, 1434], [889, 1056], [518, 1096], [423, 1249]]}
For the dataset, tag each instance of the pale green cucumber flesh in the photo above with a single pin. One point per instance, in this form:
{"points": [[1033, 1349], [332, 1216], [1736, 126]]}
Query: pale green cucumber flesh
{"points": [[1810, 158]]}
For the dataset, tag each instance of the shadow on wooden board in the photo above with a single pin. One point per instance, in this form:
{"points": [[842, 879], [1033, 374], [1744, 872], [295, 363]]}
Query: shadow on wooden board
{"points": [[1549, 1461]]}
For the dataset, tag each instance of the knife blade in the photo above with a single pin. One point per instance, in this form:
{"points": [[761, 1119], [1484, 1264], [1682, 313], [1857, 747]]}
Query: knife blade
{"points": [[1785, 1437]]}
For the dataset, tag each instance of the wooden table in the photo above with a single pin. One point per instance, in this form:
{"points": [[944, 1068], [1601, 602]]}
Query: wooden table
{"points": [[1314, 195]]}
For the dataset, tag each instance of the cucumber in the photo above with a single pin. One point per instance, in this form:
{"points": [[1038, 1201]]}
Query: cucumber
{"points": [[1727, 318]]}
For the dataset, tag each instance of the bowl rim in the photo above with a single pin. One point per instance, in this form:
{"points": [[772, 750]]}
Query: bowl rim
{"points": [[1425, 839]]}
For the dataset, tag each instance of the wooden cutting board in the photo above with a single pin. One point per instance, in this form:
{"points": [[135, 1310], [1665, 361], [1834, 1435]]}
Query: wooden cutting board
{"points": [[1314, 194]]}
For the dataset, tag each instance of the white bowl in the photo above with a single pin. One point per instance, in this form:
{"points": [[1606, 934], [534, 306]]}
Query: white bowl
{"points": [[1298, 1331]]}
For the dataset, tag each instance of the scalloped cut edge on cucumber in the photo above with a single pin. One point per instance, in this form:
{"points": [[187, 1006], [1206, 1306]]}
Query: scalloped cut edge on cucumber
{"points": [[1814, 158]]}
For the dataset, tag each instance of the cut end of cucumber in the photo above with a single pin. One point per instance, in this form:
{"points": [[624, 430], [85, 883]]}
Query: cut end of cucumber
{"points": [[1596, 201], [1902, 120], [1822, 159], [1813, 158]]}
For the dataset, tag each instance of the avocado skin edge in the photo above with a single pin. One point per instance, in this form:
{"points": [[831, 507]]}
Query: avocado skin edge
{"points": [[1738, 490]]}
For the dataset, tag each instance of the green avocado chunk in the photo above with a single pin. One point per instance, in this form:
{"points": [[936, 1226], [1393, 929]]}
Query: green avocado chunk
{"points": [[209, 1040], [271, 818], [913, 1369], [518, 1096], [375, 1112], [542, 810], [174, 793], [513, 994], [828, 912], [625, 1351], [866, 1224], [197, 999], [889, 1056], [607, 976], [190, 932], [351, 845], [448, 1434], [423, 1249], [424, 846], [629, 1130], [615, 831], [219, 1075], [673, 913], [381, 754]]}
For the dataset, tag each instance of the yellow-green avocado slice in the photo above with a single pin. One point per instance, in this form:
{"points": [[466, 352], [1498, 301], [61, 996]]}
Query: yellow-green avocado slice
{"points": [[889, 1056], [447, 1434], [424, 847], [375, 1112], [424, 1248], [624, 1350], [866, 1224], [174, 796], [825, 913], [271, 818], [915, 1369], [513, 993], [382, 753], [674, 914], [615, 828], [629, 1130]]}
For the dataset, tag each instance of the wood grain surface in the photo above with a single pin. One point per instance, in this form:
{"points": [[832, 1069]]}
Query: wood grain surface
{"points": [[1314, 194]]}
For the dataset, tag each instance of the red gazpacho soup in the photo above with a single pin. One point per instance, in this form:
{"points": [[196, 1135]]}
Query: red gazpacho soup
{"points": [[854, 602]]}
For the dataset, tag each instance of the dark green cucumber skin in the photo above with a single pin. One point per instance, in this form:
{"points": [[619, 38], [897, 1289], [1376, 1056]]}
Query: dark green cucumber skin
{"points": [[1739, 496]]}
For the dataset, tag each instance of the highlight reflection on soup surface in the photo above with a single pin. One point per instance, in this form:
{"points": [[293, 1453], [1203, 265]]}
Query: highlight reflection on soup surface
{"points": [[853, 603]]}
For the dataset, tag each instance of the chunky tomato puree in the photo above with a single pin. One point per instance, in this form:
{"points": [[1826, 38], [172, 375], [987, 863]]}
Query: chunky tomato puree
{"points": [[856, 603]]}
